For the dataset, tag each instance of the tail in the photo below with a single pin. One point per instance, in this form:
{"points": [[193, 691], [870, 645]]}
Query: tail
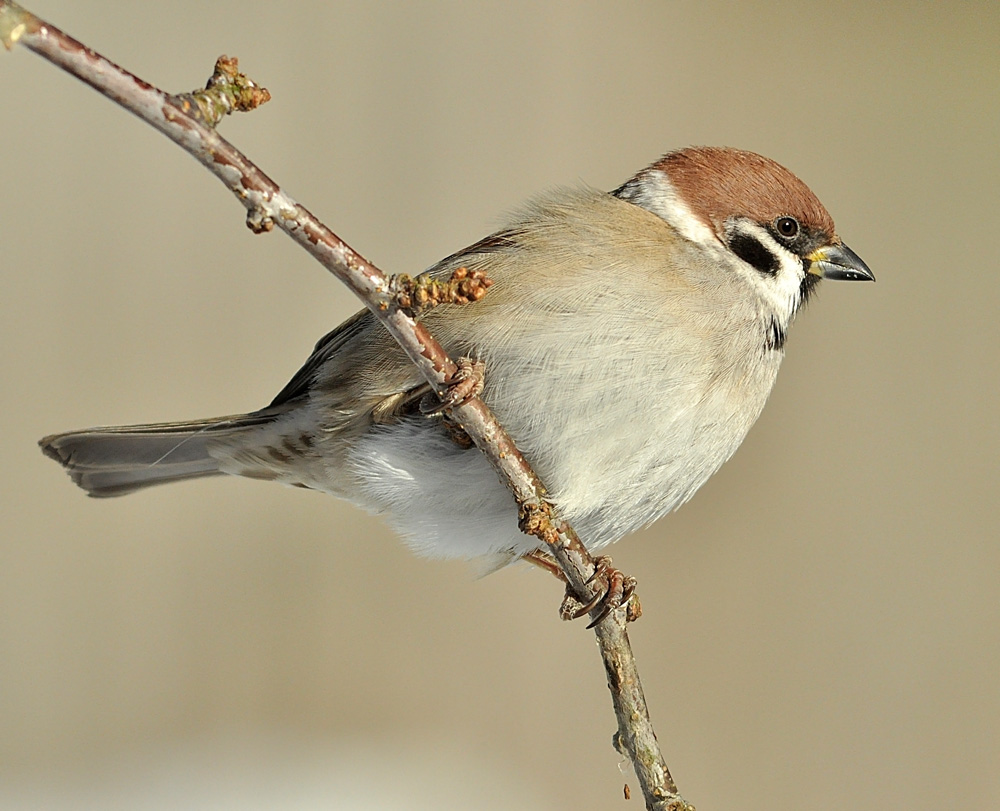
{"points": [[119, 460]]}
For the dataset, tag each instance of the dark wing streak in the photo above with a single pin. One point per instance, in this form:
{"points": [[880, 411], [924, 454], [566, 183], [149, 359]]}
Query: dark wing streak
{"points": [[494, 243], [333, 341], [326, 347]]}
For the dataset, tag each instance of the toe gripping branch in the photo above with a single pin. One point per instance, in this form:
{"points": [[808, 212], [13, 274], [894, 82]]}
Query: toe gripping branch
{"points": [[616, 591], [614, 588], [465, 384], [416, 295]]}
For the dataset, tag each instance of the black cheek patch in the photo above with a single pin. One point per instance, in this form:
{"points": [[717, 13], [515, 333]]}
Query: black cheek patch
{"points": [[751, 251]]}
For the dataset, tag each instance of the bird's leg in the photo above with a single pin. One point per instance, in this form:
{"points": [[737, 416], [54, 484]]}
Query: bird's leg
{"points": [[545, 562]]}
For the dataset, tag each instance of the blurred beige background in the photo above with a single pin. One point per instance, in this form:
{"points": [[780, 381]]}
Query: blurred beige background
{"points": [[822, 622]]}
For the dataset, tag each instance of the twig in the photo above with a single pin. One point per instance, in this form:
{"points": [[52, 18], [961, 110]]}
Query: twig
{"points": [[189, 120]]}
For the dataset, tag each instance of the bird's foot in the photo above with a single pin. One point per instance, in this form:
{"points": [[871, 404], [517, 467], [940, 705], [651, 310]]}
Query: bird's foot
{"points": [[616, 590], [465, 384]]}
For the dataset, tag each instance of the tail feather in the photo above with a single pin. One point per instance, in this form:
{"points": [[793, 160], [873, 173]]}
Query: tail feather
{"points": [[118, 460]]}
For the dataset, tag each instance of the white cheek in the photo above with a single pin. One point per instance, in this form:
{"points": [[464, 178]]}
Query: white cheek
{"points": [[785, 287], [782, 292], [789, 284]]}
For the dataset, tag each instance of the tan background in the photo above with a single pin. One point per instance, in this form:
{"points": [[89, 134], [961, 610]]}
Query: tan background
{"points": [[822, 625]]}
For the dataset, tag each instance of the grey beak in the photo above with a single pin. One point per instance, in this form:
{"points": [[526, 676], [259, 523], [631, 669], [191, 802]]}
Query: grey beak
{"points": [[841, 263]]}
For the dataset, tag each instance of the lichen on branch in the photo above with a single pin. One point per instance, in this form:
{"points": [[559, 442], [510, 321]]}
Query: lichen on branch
{"points": [[227, 91], [417, 294]]}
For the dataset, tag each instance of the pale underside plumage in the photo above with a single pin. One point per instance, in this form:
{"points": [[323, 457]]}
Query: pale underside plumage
{"points": [[565, 333]]}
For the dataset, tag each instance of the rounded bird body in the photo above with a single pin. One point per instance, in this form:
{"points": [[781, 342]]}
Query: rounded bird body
{"points": [[630, 341]]}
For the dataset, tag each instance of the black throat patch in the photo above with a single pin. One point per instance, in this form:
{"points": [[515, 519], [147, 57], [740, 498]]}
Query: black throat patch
{"points": [[774, 335]]}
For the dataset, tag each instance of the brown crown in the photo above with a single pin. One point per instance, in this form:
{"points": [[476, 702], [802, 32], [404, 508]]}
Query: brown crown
{"points": [[720, 182]]}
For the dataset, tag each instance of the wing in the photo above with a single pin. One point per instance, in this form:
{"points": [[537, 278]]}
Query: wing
{"points": [[354, 330], [326, 347]]}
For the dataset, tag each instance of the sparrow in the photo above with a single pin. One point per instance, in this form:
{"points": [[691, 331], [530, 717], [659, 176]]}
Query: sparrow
{"points": [[630, 340]]}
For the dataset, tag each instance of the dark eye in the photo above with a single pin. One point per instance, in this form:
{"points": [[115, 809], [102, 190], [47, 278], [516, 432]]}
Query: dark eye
{"points": [[788, 227]]}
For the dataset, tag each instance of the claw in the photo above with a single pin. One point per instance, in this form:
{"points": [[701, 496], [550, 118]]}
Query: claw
{"points": [[601, 617], [583, 610], [602, 566], [465, 384], [630, 584], [617, 592], [613, 598]]}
